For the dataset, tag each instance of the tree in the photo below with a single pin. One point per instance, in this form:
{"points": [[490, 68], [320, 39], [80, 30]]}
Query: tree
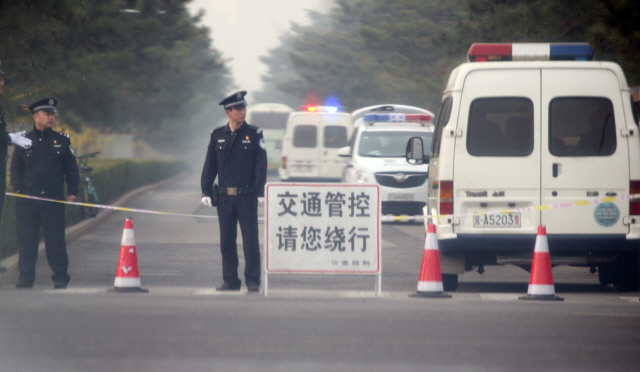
{"points": [[143, 70]]}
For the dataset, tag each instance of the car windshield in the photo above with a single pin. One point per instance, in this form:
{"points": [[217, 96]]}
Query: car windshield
{"points": [[390, 144]]}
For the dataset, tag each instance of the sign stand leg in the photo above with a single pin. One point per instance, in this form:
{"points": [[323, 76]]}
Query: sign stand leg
{"points": [[266, 284], [379, 285]]}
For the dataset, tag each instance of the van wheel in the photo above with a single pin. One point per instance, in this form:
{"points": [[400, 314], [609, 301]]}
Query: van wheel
{"points": [[450, 282], [606, 274], [627, 274]]}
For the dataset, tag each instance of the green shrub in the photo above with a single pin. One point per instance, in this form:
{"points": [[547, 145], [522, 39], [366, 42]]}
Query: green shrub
{"points": [[111, 178]]}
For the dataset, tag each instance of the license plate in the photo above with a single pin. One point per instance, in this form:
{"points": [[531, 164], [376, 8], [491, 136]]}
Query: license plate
{"points": [[400, 196], [303, 168], [497, 220]]}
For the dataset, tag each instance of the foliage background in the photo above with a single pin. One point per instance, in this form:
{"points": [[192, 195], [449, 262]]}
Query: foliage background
{"points": [[401, 51], [149, 70]]}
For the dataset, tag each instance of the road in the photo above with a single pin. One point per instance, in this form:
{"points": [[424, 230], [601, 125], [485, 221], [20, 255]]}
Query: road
{"points": [[308, 323]]}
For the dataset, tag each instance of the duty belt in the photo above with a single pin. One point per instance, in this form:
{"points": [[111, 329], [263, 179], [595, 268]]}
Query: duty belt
{"points": [[234, 190]]}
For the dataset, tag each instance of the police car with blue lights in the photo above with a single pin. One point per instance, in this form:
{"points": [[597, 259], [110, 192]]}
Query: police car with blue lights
{"points": [[376, 153], [536, 126]]}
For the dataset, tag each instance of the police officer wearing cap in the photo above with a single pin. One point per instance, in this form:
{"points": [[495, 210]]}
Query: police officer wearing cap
{"points": [[6, 139], [41, 170], [237, 156]]}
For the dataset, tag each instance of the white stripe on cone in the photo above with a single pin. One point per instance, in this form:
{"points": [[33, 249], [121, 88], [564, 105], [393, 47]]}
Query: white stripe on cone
{"points": [[541, 289], [128, 237], [430, 287], [127, 282]]}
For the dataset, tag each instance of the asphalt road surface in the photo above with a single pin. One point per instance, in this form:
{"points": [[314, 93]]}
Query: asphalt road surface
{"points": [[308, 322]]}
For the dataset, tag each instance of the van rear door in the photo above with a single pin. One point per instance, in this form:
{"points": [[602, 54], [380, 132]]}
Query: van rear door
{"points": [[584, 154], [333, 136], [303, 159], [497, 151]]}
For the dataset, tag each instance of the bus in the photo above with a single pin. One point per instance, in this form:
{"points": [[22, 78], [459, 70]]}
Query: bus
{"points": [[272, 118]]}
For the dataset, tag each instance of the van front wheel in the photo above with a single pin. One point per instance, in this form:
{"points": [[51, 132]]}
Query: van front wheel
{"points": [[450, 282]]}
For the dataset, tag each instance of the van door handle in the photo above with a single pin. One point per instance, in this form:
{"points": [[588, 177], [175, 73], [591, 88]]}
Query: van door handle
{"points": [[611, 193], [555, 169]]}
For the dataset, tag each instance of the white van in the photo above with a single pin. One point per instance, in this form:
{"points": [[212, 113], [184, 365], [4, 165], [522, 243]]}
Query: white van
{"points": [[542, 125], [313, 136]]}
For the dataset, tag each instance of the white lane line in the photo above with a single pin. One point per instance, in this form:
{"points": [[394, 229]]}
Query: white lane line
{"points": [[500, 296], [633, 300], [76, 291]]}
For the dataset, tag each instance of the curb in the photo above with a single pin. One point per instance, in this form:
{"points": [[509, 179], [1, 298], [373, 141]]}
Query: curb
{"points": [[72, 233]]}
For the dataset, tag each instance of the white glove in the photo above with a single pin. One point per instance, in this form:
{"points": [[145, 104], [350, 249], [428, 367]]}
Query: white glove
{"points": [[261, 201], [206, 201], [19, 139]]}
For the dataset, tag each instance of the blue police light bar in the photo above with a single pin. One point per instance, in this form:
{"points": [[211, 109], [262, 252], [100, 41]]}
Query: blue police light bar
{"points": [[571, 52], [384, 118], [489, 52]]}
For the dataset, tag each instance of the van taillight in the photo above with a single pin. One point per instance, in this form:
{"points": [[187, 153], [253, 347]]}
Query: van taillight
{"points": [[284, 162], [446, 197], [634, 204]]}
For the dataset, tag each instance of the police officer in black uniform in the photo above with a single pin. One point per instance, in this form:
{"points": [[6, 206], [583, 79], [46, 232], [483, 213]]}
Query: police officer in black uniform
{"points": [[40, 170], [237, 155], [6, 139]]}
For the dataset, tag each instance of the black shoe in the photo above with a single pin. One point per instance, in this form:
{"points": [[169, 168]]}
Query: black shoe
{"points": [[60, 285], [228, 287], [24, 285], [253, 287]]}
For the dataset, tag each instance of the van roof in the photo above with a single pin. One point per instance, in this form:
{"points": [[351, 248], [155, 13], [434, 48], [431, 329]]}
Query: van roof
{"points": [[456, 79]]}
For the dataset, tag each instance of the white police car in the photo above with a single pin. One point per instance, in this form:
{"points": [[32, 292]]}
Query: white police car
{"points": [[377, 152]]}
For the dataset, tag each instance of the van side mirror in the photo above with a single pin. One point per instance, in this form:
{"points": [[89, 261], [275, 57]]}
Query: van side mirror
{"points": [[345, 152], [415, 152]]}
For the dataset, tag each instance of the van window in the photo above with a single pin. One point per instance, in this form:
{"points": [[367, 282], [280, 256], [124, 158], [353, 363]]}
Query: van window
{"points": [[335, 136], [581, 126], [269, 120], [501, 126], [305, 136], [443, 119]]}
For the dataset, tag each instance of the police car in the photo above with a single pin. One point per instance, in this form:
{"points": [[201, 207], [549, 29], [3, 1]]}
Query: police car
{"points": [[537, 126], [377, 156]]}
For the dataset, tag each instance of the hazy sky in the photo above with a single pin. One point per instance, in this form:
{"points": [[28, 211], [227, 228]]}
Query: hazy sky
{"points": [[244, 30]]}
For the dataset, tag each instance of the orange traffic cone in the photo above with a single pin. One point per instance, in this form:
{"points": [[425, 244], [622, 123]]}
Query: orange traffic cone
{"points": [[430, 281], [127, 275], [541, 281]]}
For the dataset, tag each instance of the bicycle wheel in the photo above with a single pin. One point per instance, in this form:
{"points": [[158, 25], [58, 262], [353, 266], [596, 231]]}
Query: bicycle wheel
{"points": [[87, 196]]}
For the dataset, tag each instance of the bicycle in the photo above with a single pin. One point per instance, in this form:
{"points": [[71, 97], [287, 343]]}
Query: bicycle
{"points": [[88, 193]]}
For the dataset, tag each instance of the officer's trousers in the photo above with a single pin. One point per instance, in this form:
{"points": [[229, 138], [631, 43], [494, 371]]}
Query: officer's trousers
{"points": [[231, 210], [31, 214]]}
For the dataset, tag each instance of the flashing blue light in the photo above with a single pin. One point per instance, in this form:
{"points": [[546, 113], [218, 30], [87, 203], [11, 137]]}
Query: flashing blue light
{"points": [[384, 118], [571, 52], [331, 109]]}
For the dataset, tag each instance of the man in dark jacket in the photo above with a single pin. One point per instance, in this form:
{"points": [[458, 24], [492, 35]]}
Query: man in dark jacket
{"points": [[6, 139], [237, 156], [40, 170]]}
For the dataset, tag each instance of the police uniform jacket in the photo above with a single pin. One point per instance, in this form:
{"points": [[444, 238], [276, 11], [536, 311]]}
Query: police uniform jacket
{"points": [[5, 140], [41, 168], [239, 159]]}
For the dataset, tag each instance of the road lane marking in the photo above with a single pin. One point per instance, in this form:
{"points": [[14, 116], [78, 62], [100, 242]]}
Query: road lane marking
{"points": [[500, 296]]}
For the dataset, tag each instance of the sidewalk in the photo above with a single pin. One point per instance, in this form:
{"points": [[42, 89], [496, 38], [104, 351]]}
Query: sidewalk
{"points": [[74, 232]]}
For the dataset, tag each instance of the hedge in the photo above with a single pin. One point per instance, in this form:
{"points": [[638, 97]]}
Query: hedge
{"points": [[111, 178]]}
